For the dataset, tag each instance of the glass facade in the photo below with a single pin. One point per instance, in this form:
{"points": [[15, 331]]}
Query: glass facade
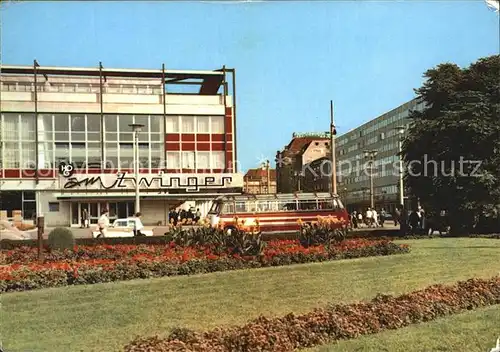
{"points": [[76, 138]]}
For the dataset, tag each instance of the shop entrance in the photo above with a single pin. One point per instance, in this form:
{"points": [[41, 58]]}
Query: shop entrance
{"points": [[117, 210]]}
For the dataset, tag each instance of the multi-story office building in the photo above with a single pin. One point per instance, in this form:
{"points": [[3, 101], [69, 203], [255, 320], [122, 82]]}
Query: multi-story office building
{"points": [[382, 135], [290, 161], [67, 144], [256, 181]]}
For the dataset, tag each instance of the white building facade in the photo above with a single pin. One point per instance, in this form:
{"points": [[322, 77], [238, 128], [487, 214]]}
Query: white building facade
{"points": [[67, 143]]}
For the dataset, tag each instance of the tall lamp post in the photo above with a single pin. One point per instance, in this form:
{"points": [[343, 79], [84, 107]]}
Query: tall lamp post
{"points": [[401, 130], [266, 166], [136, 128], [370, 155]]}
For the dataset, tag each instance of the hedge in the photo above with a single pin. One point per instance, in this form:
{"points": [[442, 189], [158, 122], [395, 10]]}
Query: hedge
{"points": [[332, 323], [22, 277]]}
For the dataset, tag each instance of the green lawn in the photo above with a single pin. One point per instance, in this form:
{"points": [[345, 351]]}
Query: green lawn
{"points": [[104, 317], [475, 331]]}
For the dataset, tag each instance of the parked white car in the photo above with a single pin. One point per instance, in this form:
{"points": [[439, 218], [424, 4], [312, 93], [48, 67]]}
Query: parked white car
{"points": [[122, 228]]}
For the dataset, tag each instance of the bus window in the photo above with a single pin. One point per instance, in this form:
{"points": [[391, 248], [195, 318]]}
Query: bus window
{"points": [[307, 205], [228, 208], [241, 207], [287, 206], [215, 209], [330, 204], [263, 206], [338, 204]]}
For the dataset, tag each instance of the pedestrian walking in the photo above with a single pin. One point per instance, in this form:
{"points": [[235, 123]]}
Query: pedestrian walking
{"points": [[138, 226], [103, 223], [85, 219]]}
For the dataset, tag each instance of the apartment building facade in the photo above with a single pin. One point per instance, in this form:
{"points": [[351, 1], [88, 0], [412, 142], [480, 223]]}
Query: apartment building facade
{"points": [[380, 137], [67, 144]]}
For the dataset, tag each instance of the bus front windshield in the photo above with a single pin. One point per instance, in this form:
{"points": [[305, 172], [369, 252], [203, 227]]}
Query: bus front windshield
{"points": [[215, 209]]}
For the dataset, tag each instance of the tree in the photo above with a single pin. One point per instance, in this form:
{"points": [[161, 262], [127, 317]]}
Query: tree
{"points": [[453, 145]]}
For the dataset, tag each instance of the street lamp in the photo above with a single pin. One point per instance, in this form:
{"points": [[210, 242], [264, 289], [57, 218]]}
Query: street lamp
{"points": [[400, 130], [370, 155], [136, 128], [265, 166]]}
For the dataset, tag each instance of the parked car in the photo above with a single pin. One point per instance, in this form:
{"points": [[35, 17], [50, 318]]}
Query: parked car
{"points": [[123, 228]]}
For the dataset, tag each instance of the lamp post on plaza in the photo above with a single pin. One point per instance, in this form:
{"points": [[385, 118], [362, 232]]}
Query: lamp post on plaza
{"points": [[136, 128], [370, 155], [401, 131]]}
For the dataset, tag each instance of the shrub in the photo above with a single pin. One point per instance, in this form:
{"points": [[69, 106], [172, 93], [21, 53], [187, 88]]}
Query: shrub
{"points": [[245, 243], [327, 231], [61, 238], [332, 323]]}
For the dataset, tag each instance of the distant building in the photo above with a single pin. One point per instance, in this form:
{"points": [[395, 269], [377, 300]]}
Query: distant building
{"points": [[255, 181], [302, 149], [317, 175]]}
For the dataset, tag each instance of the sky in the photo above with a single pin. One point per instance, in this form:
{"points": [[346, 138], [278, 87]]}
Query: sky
{"points": [[291, 58]]}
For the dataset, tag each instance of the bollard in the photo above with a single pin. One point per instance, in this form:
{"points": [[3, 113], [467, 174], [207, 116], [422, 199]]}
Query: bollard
{"points": [[40, 223]]}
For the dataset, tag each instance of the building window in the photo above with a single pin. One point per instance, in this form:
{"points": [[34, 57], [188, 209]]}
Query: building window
{"points": [[217, 124], [203, 124], [78, 155], [172, 124], [61, 127], [157, 155], [203, 160], [188, 160], [11, 155], [187, 124], [62, 153], [217, 160], [144, 155], [173, 160], [53, 206], [126, 156]]}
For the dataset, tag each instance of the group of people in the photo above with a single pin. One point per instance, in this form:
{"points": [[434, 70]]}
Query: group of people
{"points": [[371, 218], [412, 222], [174, 216]]}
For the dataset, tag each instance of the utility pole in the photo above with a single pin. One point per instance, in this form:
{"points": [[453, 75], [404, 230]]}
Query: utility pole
{"points": [[136, 128], [401, 130], [333, 132]]}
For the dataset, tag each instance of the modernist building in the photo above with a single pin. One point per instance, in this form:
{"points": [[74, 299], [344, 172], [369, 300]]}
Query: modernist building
{"points": [[291, 160], [66, 141], [353, 172], [256, 181]]}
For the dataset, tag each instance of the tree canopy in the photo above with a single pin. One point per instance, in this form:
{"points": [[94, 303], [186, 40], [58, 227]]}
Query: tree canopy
{"points": [[453, 146]]}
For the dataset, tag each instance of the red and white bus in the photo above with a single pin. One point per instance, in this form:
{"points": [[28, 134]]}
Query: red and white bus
{"points": [[276, 212]]}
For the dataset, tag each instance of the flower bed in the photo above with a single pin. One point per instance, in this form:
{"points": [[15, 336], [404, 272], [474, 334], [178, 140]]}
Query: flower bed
{"points": [[332, 323], [87, 265]]}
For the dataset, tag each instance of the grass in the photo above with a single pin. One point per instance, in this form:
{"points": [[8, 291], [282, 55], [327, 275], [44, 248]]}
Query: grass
{"points": [[475, 331], [104, 317]]}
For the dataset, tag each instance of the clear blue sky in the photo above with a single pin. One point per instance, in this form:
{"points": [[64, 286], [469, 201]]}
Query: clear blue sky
{"points": [[291, 57]]}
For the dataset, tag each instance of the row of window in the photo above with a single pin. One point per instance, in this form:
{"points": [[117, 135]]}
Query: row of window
{"points": [[15, 155], [87, 127], [279, 205], [81, 88], [381, 191]]}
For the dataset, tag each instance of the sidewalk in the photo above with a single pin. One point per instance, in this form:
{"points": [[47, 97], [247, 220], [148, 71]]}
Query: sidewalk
{"points": [[160, 230]]}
